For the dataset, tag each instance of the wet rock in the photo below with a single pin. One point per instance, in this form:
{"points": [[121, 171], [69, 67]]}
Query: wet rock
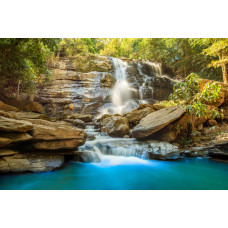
{"points": [[30, 162], [156, 121], [195, 152], [219, 152], [115, 126], [79, 123], [86, 156], [4, 141], [12, 125], [16, 137], [108, 80], [164, 151], [6, 107], [34, 107], [90, 137]]}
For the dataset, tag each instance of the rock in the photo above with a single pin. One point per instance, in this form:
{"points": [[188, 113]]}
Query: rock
{"points": [[58, 144], [6, 107], [126, 136], [157, 120], [6, 152], [205, 131], [199, 127], [137, 114], [90, 137], [142, 106], [166, 134], [58, 132], [77, 123], [212, 122], [87, 82], [220, 152], [86, 156], [12, 125], [83, 117], [164, 151], [103, 117], [158, 107], [107, 80], [30, 115], [115, 126], [7, 114], [4, 141], [31, 162], [16, 137], [34, 107], [195, 152]]}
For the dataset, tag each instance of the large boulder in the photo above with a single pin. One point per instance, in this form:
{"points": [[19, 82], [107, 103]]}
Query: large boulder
{"points": [[116, 126], [137, 114], [30, 162], [57, 132], [12, 125], [34, 107], [157, 120], [6, 107]]}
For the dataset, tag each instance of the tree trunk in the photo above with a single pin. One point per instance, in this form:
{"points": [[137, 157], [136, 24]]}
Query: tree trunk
{"points": [[18, 89], [224, 71]]}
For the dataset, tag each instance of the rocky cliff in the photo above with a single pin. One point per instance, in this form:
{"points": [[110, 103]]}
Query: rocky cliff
{"points": [[84, 84]]}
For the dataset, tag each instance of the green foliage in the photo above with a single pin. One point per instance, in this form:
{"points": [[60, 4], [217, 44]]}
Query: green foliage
{"points": [[195, 99], [23, 60]]}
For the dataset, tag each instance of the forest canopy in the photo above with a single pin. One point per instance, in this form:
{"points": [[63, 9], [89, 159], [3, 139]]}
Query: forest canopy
{"points": [[24, 60]]}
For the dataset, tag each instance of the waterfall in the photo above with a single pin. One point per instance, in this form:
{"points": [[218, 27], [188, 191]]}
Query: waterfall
{"points": [[121, 94]]}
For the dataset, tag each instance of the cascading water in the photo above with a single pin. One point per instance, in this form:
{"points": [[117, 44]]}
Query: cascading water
{"points": [[121, 102], [121, 94]]}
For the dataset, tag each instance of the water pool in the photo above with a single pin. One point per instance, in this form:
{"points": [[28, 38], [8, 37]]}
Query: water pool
{"points": [[126, 173]]}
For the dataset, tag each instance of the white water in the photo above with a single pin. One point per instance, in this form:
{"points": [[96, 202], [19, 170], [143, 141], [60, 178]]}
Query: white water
{"points": [[121, 94]]}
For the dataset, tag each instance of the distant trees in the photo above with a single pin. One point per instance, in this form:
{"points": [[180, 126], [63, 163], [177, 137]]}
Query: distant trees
{"points": [[22, 61]]}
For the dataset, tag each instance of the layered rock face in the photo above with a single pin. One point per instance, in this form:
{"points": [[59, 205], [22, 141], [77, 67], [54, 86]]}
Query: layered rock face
{"points": [[31, 142], [87, 87]]}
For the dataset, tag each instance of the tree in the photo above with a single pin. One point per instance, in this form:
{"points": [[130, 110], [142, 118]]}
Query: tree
{"points": [[22, 61], [189, 93], [218, 48]]}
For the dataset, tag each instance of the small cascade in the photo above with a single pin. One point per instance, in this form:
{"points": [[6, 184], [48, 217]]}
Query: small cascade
{"points": [[146, 87]]}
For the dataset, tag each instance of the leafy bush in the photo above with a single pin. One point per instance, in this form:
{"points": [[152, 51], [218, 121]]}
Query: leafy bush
{"points": [[195, 99]]}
